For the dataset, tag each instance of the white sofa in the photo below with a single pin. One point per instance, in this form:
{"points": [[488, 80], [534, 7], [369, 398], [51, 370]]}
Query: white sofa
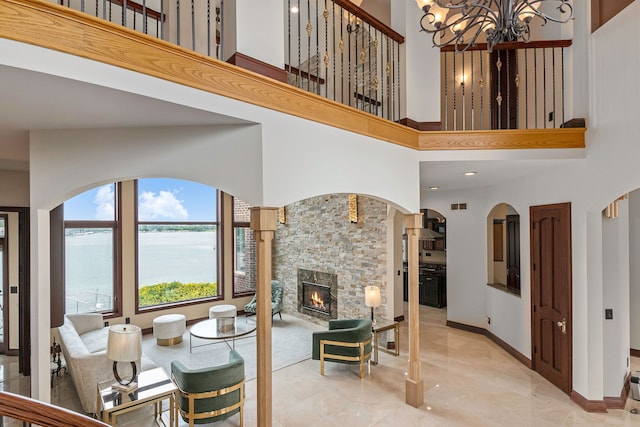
{"points": [[83, 338]]}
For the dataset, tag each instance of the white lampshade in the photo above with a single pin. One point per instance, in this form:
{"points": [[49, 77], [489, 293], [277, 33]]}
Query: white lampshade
{"points": [[372, 296], [124, 343]]}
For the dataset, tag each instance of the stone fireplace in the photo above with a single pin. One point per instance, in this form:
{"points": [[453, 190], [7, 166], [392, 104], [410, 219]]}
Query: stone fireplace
{"points": [[317, 294]]}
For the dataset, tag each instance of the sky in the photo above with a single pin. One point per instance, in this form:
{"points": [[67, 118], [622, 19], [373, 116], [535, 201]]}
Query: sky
{"points": [[159, 199]]}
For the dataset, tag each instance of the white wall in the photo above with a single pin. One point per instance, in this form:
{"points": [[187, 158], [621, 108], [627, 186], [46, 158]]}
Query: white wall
{"points": [[634, 268], [14, 188], [615, 254], [421, 65]]}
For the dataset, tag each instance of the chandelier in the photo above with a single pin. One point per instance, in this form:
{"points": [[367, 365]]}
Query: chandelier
{"points": [[461, 22]]}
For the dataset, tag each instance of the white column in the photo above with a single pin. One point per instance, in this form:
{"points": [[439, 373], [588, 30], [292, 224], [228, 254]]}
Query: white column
{"points": [[420, 61], [40, 309], [255, 29]]}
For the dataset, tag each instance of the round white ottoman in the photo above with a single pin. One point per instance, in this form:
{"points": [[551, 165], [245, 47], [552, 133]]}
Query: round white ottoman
{"points": [[168, 329], [223, 310]]}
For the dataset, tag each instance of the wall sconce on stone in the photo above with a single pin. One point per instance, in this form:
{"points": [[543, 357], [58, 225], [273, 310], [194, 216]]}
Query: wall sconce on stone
{"points": [[353, 208], [282, 219]]}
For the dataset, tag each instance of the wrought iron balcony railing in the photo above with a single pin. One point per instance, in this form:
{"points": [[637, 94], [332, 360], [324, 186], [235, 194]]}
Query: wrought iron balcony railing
{"points": [[337, 50], [517, 86]]}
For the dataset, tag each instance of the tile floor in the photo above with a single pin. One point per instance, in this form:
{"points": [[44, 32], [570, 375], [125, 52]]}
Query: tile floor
{"points": [[468, 381]]}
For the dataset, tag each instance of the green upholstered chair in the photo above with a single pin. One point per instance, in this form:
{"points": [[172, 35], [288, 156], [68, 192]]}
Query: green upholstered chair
{"points": [[210, 394], [277, 291], [346, 341]]}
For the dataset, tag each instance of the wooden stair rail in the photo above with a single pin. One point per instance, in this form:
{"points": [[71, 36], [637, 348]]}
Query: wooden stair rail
{"points": [[364, 16], [43, 414]]}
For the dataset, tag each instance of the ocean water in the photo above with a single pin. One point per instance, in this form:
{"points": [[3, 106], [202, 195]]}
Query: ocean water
{"points": [[164, 256]]}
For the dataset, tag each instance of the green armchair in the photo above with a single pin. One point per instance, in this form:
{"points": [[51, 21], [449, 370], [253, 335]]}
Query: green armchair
{"points": [[277, 291], [346, 341], [210, 394]]}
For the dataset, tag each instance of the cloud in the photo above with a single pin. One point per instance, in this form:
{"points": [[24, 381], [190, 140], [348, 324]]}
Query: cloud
{"points": [[104, 200], [161, 206]]}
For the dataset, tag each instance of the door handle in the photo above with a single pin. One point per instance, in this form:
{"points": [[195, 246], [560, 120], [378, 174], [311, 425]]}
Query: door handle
{"points": [[563, 325]]}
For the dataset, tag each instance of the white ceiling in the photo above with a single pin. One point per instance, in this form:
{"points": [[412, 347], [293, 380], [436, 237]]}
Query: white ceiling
{"points": [[450, 175], [35, 101]]}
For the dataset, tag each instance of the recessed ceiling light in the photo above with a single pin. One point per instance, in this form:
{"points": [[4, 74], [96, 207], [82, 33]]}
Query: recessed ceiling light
{"points": [[294, 9], [434, 187], [470, 173]]}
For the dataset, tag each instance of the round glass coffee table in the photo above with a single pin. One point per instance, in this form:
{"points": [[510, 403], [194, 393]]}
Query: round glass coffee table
{"points": [[221, 328]]}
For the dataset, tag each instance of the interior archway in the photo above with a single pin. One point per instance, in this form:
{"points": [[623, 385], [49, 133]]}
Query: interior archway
{"points": [[503, 248]]}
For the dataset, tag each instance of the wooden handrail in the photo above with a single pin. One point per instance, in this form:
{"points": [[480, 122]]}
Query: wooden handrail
{"points": [[364, 16], [44, 414], [514, 45]]}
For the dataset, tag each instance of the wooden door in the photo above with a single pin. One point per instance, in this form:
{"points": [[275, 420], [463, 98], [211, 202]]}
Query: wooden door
{"points": [[513, 252], [551, 293]]}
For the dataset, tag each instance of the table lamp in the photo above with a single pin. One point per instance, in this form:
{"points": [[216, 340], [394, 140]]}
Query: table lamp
{"points": [[372, 298], [124, 344]]}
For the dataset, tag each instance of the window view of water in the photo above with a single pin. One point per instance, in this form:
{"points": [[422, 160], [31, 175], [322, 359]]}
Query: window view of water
{"points": [[163, 256]]}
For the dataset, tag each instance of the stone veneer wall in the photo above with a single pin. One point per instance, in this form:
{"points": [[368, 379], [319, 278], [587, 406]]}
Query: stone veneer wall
{"points": [[318, 236]]}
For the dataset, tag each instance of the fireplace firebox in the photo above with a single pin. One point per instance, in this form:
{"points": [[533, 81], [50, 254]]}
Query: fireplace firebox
{"points": [[316, 297]]}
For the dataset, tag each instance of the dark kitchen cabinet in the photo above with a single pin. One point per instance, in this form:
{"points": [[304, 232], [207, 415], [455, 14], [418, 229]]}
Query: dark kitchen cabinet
{"points": [[433, 291]]}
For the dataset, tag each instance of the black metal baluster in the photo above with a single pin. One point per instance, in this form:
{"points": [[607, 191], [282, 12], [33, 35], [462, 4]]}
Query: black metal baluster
{"points": [[368, 77], [526, 88], [82, 6], [535, 85], [357, 56], [193, 25], [341, 47], [473, 117], [325, 59], [464, 104], [220, 18], [178, 22], [446, 93], [333, 43], [317, 91], [290, 62], [124, 13], [544, 85], [209, 28], [300, 83], [309, 30], [349, 72], [399, 81], [563, 88], [553, 52], [455, 92], [482, 84], [144, 16], [508, 89], [161, 20]]}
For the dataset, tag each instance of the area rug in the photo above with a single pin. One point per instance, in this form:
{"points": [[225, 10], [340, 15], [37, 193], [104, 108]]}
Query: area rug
{"points": [[290, 339]]}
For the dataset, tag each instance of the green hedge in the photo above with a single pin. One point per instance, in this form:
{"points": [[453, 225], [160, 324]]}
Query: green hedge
{"points": [[163, 293]]}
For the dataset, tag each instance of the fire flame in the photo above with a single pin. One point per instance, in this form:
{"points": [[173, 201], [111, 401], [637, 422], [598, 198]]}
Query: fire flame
{"points": [[317, 300]]}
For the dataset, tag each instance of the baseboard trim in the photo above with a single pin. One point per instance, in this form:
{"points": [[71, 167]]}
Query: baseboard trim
{"points": [[619, 402], [499, 342], [588, 405], [635, 353]]}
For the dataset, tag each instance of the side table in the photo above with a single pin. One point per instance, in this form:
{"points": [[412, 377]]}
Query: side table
{"points": [[154, 386], [383, 326]]}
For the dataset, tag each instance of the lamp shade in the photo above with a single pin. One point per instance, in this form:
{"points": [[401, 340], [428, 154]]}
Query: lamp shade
{"points": [[124, 343], [372, 296]]}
